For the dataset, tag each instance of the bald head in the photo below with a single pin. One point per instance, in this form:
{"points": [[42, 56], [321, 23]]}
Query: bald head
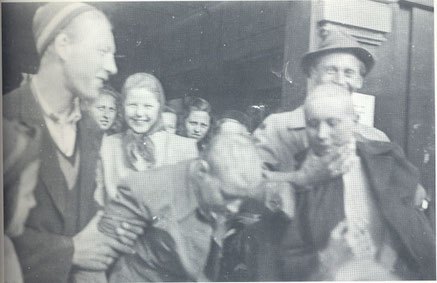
{"points": [[331, 94], [330, 117], [229, 171], [233, 159]]}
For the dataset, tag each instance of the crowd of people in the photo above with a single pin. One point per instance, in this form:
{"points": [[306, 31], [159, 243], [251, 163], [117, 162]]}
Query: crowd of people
{"points": [[108, 186]]}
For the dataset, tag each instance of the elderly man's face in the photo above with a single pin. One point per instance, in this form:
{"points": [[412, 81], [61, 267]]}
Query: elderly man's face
{"points": [[90, 59], [328, 124], [339, 68]]}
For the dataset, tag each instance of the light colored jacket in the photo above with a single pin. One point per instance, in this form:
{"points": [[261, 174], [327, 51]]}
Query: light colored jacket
{"points": [[282, 135], [169, 149]]}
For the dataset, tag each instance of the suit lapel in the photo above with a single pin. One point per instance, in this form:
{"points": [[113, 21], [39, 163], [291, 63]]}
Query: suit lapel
{"points": [[50, 172], [378, 166], [89, 137]]}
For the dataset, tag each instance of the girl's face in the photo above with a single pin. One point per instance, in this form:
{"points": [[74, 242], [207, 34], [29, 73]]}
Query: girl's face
{"points": [[170, 121], [197, 124], [141, 109], [104, 111], [25, 200]]}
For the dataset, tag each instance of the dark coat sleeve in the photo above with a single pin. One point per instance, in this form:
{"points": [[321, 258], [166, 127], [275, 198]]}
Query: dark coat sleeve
{"points": [[44, 251], [413, 230], [44, 257]]}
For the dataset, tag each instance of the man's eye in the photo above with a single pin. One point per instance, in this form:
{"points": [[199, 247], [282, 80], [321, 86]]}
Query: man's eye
{"points": [[193, 123], [333, 122], [312, 123], [330, 70], [101, 108], [349, 73]]}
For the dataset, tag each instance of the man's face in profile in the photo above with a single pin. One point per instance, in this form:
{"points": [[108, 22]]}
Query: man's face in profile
{"points": [[329, 124], [89, 60]]}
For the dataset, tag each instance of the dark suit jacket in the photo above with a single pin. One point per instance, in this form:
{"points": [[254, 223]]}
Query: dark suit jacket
{"points": [[294, 245], [45, 249], [393, 181]]}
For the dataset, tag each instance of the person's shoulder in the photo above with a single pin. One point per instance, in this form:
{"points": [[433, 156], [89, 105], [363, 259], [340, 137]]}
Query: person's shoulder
{"points": [[377, 147], [183, 141], [286, 120], [112, 141], [372, 133], [12, 101]]}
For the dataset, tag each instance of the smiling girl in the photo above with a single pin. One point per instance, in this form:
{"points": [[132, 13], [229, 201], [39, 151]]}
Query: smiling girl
{"points": [[143, 144]]}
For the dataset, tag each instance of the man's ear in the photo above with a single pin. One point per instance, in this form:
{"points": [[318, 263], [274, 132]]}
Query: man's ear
{"points": [[202, 168], [62, 45]]}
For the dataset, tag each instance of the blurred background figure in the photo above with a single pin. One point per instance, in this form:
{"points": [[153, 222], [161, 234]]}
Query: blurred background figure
{"points": [[233, 121], [106, 110], [20, 173], [197, 120], [170, 119]]}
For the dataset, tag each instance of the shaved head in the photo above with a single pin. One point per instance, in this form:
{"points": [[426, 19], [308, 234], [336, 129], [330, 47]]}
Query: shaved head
{"points": [[330, 118], [330, 92]]}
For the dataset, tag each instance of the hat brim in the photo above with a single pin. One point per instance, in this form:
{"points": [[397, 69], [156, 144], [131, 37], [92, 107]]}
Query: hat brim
{"points": [[362, 54]]}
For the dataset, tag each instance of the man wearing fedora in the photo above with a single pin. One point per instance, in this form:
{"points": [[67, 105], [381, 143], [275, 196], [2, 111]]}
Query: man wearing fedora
{"points": [[339, 60], [76, 48]]}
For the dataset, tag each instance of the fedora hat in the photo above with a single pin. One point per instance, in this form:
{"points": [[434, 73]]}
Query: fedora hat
{"points": [[337, 41]]}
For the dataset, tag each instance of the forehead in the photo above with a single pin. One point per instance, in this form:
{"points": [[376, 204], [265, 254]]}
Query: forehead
{"points": [[93, 28], [339, 59], [327, 108], [200, 116], [105, 98], [141, 94]]}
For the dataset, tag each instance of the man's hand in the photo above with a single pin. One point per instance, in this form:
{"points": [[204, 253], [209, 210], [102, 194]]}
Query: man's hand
{"points": [[316, 169], [127, 233], [337, 251], [95, 251]]}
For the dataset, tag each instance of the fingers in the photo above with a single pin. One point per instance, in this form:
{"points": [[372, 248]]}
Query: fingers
{"points": [[102, 262], [132, 228], [122, 248]]}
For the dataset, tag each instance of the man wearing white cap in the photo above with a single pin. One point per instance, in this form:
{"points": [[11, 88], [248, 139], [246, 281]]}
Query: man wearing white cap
{"points": [[76, 49]]}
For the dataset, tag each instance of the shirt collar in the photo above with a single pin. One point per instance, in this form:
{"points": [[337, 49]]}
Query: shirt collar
{"points": [[72, 118]]}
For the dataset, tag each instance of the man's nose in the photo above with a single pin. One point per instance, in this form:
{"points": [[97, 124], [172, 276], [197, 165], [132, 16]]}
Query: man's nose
{"points": [[341, 79], [197, 129], [323, 131], [110, 65]]}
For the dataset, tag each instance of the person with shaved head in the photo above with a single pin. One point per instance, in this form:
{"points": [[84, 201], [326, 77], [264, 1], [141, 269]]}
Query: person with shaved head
{"points": [[365, 214], [184, 209], [76, 49]]}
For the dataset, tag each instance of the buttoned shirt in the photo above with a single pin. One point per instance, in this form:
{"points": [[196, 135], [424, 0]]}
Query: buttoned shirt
{"points": [[62, 126], [63, 131]]}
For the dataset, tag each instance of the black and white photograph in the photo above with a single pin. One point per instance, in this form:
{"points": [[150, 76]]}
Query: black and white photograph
{"points": [[223, 141]]}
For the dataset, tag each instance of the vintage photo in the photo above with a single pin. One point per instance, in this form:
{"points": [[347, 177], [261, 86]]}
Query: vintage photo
{"points": [[218, 141]]}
